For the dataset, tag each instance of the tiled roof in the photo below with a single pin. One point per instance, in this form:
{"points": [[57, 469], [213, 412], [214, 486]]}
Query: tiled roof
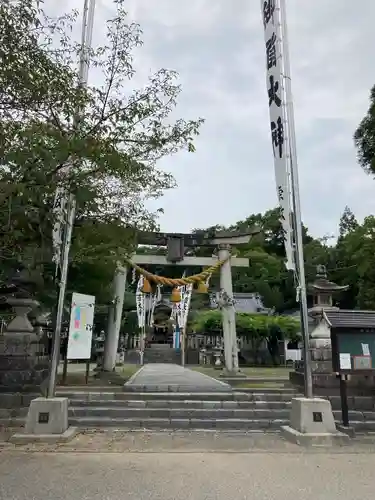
{"points": [[247, 303], [350, 318]]}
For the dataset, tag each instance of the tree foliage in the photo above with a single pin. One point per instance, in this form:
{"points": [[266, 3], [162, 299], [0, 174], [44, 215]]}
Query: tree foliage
{"points": [[111, 150], [100, 143], [248, 325], [364, 138]]}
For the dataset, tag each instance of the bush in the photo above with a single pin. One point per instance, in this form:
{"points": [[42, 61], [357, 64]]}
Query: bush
{"points": [[250, 326]]}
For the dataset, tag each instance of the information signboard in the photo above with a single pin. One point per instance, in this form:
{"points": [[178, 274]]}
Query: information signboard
{"points": [[80, 328]]}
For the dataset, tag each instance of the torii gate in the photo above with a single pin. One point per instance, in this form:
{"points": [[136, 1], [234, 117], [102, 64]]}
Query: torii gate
{"points": [[176, 245]]}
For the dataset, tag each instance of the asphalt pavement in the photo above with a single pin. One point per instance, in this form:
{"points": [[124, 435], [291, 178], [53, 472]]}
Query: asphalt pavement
{"points": [[187, 476]]}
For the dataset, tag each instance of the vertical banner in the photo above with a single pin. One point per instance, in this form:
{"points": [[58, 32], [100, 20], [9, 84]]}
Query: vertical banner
{"points": [[180, 313], [278, 125], [182, 307], [140, 300], [176, 336], [80, 328]]}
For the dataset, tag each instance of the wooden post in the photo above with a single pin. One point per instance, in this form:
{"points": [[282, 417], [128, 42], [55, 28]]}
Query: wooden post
{"points": [[344, 400]]}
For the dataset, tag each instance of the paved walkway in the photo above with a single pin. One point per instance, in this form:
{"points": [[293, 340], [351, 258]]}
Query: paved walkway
{"points": [[160, 377]]}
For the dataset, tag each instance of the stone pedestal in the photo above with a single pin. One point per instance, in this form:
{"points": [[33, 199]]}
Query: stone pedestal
{"points": [[323, 378], [47, 421], [312, 424]]}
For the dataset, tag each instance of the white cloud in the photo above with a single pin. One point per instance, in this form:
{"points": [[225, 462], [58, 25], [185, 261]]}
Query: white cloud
{"points": [[218, 49]]}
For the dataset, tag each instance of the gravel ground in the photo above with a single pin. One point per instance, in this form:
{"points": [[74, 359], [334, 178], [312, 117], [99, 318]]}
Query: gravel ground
{"points": [[117, 441], [187, 476]]}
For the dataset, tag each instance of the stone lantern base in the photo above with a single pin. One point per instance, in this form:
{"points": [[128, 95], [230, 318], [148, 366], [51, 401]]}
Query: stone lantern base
{"points": [[24, 365]]}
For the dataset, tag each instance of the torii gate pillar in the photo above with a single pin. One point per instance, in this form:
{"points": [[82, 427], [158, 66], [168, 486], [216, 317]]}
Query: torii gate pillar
{"points": [[228, 311]]}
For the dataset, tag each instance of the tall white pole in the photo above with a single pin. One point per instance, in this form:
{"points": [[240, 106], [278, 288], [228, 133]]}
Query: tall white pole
{"points": [[296, 204], [87, 29]]}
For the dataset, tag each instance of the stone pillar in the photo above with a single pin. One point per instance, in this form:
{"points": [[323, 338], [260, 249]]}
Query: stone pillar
{"points": [[114, 320], [321, 359], [228, 311], [24, 363]]}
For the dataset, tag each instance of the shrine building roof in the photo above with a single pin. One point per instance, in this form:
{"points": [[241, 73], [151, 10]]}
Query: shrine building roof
{"points": [[350, 318]]}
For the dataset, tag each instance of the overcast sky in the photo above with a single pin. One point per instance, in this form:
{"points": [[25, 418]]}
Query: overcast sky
{"points": [[217, 46]]}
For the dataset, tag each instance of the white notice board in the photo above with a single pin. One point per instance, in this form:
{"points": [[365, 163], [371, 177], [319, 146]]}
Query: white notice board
{"points": [[80, 328]]}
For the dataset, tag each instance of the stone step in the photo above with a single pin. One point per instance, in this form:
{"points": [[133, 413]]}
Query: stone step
{"points": [[200, 413], [177, 423], [183, 404], [197, 424], [110, 389], [13, 412], [365, 403], [177, 396], [161, 354], [181, 424], [177, 413]]}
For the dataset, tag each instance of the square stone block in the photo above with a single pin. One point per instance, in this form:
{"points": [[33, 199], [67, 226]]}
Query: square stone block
{"points": [[312, 416], [47, 416]]}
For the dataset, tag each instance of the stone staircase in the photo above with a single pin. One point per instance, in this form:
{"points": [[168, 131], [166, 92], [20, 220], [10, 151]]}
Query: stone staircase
{"points": [[177, 410], [254, 410], [162, 353], [250, 410]]}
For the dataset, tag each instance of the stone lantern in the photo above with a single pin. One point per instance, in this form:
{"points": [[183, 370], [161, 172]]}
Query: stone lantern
{"points": [[322, 291], [24, 365]]}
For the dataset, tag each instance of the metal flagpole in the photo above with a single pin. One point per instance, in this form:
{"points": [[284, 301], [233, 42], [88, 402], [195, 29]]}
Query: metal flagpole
{"points": [[86, 40], [295, 195]]}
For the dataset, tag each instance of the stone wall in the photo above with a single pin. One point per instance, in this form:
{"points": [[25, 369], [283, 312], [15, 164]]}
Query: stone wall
{"points": [[326, 384]]}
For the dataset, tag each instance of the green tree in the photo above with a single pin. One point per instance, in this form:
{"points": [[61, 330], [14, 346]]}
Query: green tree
{"points": [[256, 328], [364, 138], [359, 248], [348, 222], [112, 150], [345, 270]]}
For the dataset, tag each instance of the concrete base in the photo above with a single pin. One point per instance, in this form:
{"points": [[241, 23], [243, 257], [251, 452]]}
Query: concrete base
{"points": [[312, 416], [47, 421], [314, 439], [47, 416], [312, 423], [65, 437]]}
